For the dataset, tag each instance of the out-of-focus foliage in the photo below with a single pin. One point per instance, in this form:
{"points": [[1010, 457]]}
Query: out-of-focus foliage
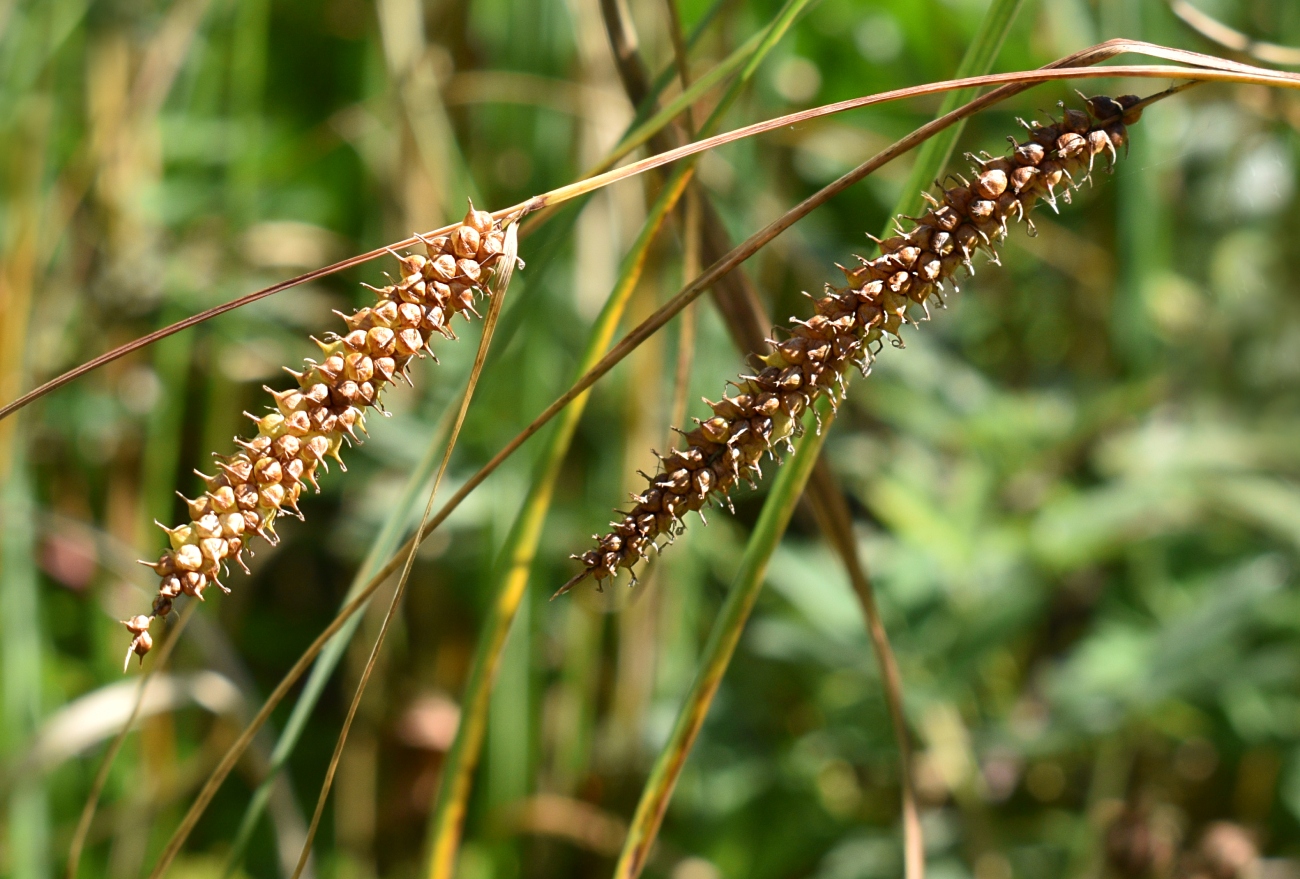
{"points": [[1078, 488]]}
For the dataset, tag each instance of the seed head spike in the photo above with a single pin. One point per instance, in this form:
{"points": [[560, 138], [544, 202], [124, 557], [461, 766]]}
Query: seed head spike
{"points": [[263, 479]]}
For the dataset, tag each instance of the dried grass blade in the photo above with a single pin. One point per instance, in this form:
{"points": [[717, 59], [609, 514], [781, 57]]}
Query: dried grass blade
{"points": [[721, 645], [836, 523], [501, 283], [1210, 69], [447, 820], [980, 55], [384, 547], [695, 288], [237, 748]]}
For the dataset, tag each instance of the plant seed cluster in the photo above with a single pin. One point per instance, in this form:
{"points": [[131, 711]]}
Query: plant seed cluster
{"points": [[850, 323], [256, 484]]}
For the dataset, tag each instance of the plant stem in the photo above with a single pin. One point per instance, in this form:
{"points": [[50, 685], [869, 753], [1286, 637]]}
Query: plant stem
{"points": [[721, 645]]}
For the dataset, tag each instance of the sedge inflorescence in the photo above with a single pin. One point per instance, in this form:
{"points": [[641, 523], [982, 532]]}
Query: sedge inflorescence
{"points": [[849, 324], [309, 423]]}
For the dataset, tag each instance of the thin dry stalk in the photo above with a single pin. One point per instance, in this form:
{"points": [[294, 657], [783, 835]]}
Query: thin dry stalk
{"points": [[835, 521], [1206, 68], [101, 775], [501, 282]]}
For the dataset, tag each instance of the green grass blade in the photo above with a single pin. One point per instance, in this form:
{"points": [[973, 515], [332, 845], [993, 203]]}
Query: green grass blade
{"points": [[978, 60], [449, 811], [27, 837], [724, 636], [773, 520]]}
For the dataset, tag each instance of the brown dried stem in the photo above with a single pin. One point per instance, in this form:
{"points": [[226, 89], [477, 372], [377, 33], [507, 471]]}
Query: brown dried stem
{"points": [[1206, 68], [835, 521], [101, 775], [746, 318]]}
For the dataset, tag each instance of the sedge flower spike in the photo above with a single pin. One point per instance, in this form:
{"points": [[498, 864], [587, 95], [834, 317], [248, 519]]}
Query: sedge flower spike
{"points": [[310, 423], [849, 324]]}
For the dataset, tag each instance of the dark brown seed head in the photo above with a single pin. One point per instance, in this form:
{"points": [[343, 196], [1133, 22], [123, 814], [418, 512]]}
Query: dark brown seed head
{"points": [[850, 323]]}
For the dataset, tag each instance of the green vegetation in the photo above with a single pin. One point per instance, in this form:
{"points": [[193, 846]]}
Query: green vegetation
{"points": [[1077, 489]]}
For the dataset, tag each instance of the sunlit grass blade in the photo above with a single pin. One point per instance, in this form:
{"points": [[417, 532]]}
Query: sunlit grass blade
{"points": [[27, 830], [721, 645], [933, 157], [448, 817]]}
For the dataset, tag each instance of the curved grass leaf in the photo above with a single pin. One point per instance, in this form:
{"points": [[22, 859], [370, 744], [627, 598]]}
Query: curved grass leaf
{"points": [[448, 817]]}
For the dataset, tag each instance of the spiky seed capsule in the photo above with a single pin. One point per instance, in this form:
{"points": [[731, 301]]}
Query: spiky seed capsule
{"points": [[255, 485], [850, 324]]}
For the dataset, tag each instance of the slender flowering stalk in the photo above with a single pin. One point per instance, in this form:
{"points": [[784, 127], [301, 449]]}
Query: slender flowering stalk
{"points": [[850, 323], [257, 484]]}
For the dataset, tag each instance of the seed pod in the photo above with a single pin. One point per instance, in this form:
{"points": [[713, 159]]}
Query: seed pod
{"points": [[990, 184]]}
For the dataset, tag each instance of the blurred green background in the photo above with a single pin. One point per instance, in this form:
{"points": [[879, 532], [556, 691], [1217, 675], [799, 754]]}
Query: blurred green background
{"points": [[1078, 489]]}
